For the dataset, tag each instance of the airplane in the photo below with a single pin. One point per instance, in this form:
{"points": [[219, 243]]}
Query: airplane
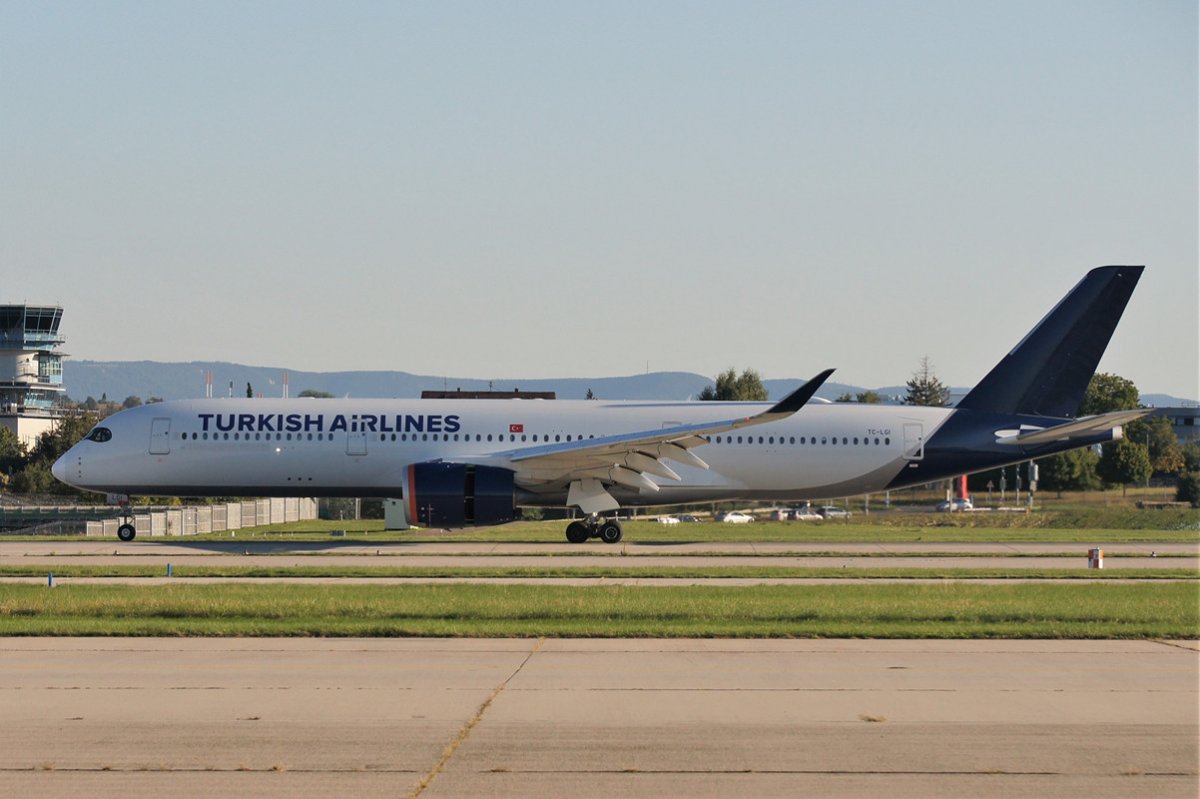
{"points": [[459, 462]]}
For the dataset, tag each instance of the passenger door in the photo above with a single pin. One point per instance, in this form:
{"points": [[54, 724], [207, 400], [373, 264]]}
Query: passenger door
{"points": [[914, 441], [160, 436]]}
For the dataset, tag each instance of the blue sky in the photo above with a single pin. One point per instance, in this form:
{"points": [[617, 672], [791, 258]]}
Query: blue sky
{"points": [[561, 189]]}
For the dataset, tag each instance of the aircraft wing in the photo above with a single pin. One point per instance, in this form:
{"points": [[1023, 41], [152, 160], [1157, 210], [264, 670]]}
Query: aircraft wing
{"points": [[1085, 427], [626, 459]]}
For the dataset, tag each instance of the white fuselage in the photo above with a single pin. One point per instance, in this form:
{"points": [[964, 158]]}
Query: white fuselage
{"points": [[326, 447]]}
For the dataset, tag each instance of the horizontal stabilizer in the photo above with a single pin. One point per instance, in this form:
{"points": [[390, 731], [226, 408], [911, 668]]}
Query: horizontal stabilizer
{"points": [[1087, 427]]}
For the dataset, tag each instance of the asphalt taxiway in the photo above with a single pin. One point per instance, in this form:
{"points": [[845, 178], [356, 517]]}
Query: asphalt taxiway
{"points": [[596, 718]]}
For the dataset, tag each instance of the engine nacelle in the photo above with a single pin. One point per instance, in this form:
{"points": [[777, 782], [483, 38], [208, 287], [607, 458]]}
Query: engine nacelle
{"points": [[458, 495]]}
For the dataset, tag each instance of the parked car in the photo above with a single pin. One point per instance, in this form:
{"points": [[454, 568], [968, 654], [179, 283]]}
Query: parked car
{"points": [[833, 512], [687, 517], [736, 517], [803, 513], [956, 505], [667, 520]]}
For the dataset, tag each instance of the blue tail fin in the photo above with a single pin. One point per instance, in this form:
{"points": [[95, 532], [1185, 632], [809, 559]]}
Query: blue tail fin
{"points": [[1048, 372]]}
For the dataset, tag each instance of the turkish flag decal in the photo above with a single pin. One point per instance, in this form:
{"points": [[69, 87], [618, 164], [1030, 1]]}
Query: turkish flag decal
{"points": [[516, 428]]}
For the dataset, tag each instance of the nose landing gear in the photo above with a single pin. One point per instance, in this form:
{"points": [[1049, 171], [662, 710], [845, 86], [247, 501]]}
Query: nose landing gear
{"points": [[126, 531], [607, 530]]}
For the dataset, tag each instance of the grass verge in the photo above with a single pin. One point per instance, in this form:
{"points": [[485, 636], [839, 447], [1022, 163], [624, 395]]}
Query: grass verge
{"points": [[945, 610]]}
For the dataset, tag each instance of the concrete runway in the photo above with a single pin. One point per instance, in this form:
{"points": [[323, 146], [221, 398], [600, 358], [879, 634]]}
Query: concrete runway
{"points": [[597, 718], [715, 554], [52, 556]]}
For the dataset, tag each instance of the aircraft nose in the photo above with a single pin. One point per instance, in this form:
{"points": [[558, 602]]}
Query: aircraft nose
{"points": [[59, 469]]}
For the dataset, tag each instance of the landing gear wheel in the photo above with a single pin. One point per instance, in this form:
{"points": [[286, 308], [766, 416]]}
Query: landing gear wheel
{"points": [[126, 532], [578, 532], [611, 532]]}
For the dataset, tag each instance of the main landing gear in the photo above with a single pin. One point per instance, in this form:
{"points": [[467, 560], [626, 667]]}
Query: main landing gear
{"points": [[607, 530]]}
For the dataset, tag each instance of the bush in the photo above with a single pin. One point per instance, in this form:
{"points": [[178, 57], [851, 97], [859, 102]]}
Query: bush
{"points": [[1189, 488]]}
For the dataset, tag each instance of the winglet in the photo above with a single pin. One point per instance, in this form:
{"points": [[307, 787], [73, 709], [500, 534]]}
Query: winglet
{"points": [[797, 399]]}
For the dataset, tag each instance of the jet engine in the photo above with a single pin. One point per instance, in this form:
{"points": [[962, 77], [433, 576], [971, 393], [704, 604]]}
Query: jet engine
{"points": [[440, 494]]}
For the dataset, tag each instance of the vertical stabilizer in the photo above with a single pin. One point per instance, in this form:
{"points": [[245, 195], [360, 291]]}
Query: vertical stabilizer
{"points": [[1048, 372]]}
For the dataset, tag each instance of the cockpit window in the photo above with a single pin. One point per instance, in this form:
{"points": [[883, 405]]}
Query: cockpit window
{"points": [[100, 434]]}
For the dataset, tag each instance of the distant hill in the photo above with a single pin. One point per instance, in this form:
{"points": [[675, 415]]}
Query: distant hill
{"points": [[145, 379], [1165, 401]]}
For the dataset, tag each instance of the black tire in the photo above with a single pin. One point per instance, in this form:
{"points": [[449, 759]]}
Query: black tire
{"points": [[611, 532], [126, 532], [578, 532]]}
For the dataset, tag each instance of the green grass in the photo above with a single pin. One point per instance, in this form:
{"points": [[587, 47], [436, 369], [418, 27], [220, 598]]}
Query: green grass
{"points": [[621, 570], [947, 610]]}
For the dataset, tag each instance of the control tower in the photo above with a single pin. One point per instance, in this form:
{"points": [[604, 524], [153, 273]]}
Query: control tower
{"points": [[31, 384]]}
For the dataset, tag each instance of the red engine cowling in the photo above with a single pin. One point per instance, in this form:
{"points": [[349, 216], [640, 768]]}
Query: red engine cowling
{"points": [[458, 495]]}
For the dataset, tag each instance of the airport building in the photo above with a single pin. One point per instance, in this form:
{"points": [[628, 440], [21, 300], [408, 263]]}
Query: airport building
{"points": [[1185, 421], [31, 384]]}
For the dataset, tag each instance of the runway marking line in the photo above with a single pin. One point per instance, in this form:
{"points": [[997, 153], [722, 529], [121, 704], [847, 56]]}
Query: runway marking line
{"points": [[458, 739], [1187, 646]]}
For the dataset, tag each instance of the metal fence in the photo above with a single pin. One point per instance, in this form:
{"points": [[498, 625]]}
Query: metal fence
{"points": [[152, 521]]}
